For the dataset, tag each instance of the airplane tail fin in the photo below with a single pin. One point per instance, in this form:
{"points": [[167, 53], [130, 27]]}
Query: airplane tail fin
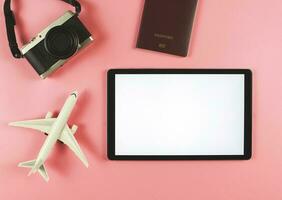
{"points": [[31, 164]]}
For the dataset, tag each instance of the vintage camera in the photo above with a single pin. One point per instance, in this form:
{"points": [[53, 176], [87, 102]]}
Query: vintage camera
{"points": [[53, 46], [58, 42]]}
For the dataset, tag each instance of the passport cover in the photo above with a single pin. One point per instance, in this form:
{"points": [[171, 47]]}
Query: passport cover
{"points": [[166, 26]]}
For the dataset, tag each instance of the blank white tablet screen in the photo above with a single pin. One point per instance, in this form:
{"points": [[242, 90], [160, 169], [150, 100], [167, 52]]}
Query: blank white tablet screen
{"points": [[179, 114]]}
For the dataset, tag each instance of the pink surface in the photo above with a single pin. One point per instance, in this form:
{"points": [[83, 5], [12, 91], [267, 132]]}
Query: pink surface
{"points": [[231, 34]]}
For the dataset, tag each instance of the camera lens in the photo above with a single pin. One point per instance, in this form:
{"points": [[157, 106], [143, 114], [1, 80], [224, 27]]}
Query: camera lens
{"points": [[61, 43]]}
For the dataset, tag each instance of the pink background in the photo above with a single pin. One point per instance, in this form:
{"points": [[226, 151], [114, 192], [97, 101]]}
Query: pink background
{"points": [[227, 34]]}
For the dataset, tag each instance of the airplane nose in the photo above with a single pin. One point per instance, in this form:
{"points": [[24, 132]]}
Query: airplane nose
{"points": [[75, 93]]}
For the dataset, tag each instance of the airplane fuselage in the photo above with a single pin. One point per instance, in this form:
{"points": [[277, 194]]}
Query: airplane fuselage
{"points": [[56, 130]]}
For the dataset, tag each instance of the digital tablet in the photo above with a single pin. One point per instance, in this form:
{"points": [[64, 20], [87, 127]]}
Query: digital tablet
{"points": [[179, 114]]}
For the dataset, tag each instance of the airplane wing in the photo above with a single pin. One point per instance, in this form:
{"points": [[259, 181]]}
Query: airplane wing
{"points": [[68, 139], [43, 125]]}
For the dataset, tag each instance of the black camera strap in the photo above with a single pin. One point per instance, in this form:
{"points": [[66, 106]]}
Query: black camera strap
{"points": [[11, 22]]}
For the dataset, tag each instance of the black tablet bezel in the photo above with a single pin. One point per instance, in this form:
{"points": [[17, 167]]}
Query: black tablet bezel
{"points": [[111, 114]]}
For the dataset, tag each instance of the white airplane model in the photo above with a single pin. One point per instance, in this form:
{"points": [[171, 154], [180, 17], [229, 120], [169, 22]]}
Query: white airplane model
{"points": [[57, 129]]}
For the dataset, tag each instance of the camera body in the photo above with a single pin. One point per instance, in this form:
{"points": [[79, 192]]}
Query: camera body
{"points": [[58, 42]]}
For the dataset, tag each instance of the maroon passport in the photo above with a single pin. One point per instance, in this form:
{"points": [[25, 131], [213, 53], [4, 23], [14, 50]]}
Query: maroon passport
{"points": [[166, 26]]}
